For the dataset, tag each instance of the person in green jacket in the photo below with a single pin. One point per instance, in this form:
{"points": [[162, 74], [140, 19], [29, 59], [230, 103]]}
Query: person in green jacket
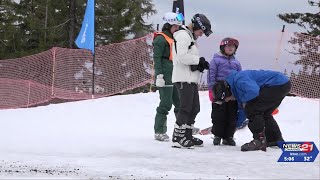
{"points": [[162, 45]]}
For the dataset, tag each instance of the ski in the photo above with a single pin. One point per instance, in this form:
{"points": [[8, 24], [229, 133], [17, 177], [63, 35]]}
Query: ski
{"points": [[207, 131]]}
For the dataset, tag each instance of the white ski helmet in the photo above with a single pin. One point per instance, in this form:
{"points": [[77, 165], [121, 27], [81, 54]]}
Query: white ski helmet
{"points": [[173, 18]]}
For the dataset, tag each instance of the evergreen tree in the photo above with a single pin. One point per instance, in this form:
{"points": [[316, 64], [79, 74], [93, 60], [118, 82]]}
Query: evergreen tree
{"points": [[72, 23], [309, 21], [32, 14], [34, 26], [141, 8], [116, 20], [9, 35], [306, 46]]}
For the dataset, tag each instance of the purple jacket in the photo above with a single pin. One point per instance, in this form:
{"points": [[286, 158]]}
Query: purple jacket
{"points": [[220, 68]]}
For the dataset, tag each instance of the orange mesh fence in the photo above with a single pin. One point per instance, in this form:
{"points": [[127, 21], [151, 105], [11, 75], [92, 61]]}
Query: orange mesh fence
{"points": [[67, 73], [123, 66], [305, 71], [118, 67], [296, 55], [25, 81], [72, 77]]}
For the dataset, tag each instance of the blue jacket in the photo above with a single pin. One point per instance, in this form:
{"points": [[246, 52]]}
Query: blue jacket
{"points": [[245, 85], [220, 68]]}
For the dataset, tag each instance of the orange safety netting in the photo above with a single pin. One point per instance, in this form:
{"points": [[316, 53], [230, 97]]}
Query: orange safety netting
{"points": [[296, 55], [68, 73], [62, 73]]}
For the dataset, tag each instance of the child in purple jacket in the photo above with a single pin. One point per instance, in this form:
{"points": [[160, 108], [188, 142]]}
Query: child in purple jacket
{"points": [[223, 115]]}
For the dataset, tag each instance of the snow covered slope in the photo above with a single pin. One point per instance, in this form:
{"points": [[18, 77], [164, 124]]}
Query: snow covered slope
{"points": [[112, 138]]}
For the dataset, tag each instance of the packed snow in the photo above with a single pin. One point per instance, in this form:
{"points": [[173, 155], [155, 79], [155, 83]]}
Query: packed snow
{"points": [[112, 138]]}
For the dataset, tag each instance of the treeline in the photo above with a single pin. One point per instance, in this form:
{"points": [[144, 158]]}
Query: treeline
{"points": [[33, 26]]}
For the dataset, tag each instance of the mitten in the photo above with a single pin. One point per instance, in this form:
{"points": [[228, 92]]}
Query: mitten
{"points": [[160, 81]]}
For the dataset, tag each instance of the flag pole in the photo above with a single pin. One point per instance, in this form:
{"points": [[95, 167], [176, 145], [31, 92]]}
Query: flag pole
{"points": [[86, 38], [278, 50], [93, 67], [94, 54]]}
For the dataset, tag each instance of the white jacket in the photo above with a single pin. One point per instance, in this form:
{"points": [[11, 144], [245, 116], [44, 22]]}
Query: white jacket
{"points": [[184, 57]]}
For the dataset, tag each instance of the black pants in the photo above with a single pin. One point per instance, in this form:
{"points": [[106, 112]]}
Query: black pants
{"points": [[189, 103], [224, 119], [259, 110]]}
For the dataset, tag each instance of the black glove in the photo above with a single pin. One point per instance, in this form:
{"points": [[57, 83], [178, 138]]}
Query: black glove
{"points": [[194, 67], [200, 68], [203, 63]]}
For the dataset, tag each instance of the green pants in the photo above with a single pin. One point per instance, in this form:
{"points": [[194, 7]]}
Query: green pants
{"points": [[168, 96]]}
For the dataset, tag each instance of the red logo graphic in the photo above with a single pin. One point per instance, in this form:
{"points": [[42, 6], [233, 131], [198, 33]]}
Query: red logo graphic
{"points": [[307, 147]]}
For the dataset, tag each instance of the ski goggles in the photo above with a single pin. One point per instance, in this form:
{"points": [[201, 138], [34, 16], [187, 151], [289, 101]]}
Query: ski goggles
{"points": [[230, 42], [176, 19], [207, 30], [180, 17]]}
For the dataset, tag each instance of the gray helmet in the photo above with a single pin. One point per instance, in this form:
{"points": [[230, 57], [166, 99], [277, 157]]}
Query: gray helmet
{"points": [[200, 21]]}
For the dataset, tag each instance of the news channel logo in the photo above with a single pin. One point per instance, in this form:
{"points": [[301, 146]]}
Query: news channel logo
{"points": [[298, 151]]}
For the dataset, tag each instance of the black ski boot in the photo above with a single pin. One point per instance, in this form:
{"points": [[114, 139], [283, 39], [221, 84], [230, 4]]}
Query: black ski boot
{"points": [[216, 140], [229, 141], [196, 141], [180, 139], [258, 143]]}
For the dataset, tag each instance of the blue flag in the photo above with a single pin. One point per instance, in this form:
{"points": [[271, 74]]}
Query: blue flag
{"points": [[85, 38]]}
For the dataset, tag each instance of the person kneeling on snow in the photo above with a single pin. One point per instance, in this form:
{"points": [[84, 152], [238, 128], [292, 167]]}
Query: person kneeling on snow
{"points": [[261, 92]]}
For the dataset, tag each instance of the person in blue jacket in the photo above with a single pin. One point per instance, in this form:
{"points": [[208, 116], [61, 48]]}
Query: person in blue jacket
{"points": [[260, 92]]}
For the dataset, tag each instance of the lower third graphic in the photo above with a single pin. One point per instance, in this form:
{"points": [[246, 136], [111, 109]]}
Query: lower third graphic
{"points": [[298, 151]]}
